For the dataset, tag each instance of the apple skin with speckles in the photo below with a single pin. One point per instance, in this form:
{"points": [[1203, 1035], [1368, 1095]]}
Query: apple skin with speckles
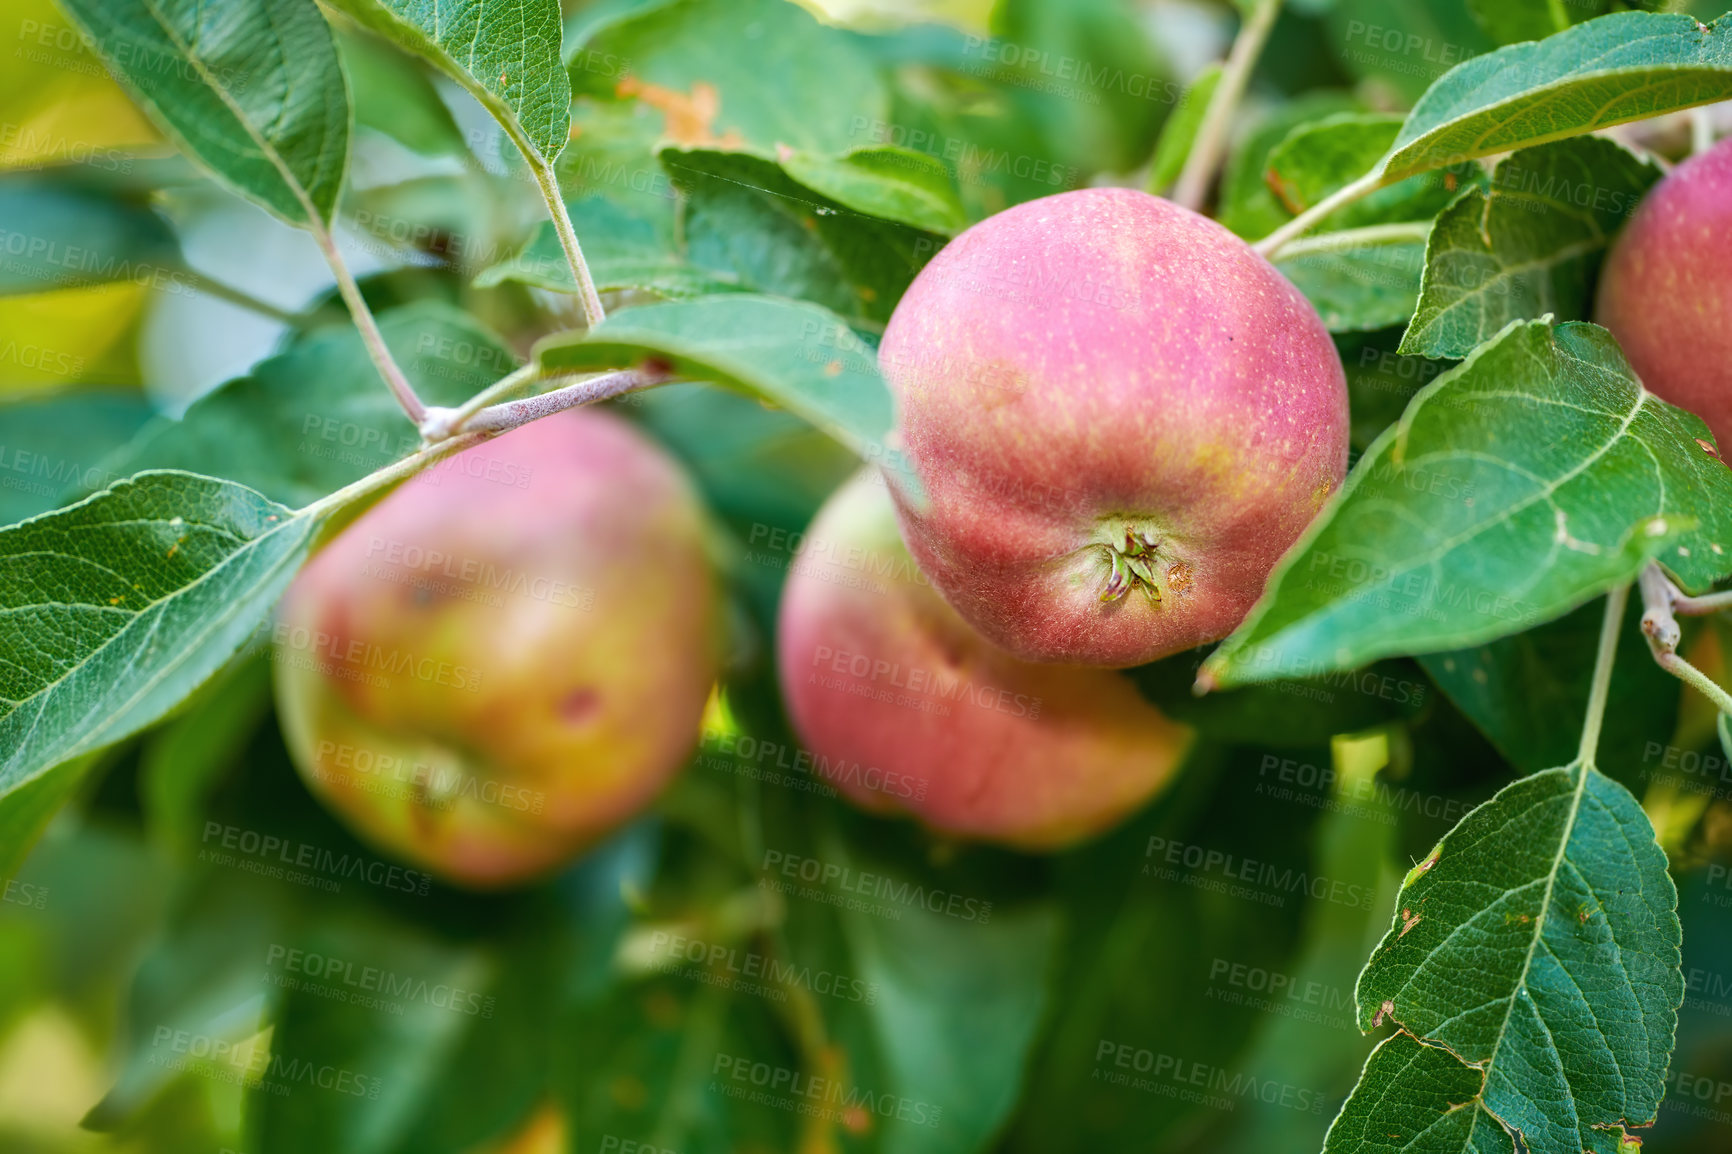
{"points": [[1666, 289], [507, 657], [1121, 416], [904, 709]]}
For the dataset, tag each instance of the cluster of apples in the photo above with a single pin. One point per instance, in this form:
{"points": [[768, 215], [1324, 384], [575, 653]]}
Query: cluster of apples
{"points": [[1120, 417]]}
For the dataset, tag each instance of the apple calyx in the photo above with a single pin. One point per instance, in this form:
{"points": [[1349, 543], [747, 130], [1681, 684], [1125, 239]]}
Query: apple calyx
{"points": [[1134, 561]]}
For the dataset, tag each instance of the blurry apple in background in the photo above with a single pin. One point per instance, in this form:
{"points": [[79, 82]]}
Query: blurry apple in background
{"points": [[1666, 289], [905, 709], [508, 657], [1122, 417]]}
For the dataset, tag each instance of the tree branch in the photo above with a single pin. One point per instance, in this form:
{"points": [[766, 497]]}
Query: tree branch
{"points": [[1661, 601], [1192, 187]]}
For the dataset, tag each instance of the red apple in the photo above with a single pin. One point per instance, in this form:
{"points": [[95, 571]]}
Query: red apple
{"points": [[1122, 417], [905, 709], [1666, 290], [508, 657]]}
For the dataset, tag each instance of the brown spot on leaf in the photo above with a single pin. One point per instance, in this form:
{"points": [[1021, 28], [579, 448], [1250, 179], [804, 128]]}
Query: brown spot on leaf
{"points": [[1387, 1009], [1409, 919], [833, 369]]}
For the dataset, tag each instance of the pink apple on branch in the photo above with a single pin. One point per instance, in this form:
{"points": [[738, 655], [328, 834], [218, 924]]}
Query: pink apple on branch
{"points": [[1122, 417], [508, 657], [906, 709]]}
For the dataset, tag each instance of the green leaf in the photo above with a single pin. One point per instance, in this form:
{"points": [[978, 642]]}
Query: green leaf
{"points": [[896, 184], [116, 608], [1410, 1099], [60, 236], [1623, 67], [747, 221], [51, 446], [1516, 487], [793, 355], [626, 248], [1179, 132], [1359, 280], [506, 53], [253, 91], [1322, 157], [1531, 245], [775, 75], [27, 810], [315, 418], [1535, 953]]}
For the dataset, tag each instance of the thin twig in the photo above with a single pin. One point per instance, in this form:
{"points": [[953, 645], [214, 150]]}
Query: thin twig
{"points": [[1349, 239], [511, 414], [544, 176], [234, 296], [370, 334], [441, 422], [1661, 601], [1600, 688], [1307, 220], [1205, 156]]}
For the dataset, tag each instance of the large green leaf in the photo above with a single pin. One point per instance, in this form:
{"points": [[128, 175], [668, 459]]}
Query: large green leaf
{"points": [[1516, 487], [253, 91], [313, 419], [505, 52], [794, 355], [1534, 958], [114, 609], [748, 222], [1529, 246], [1318, 158], [58, 236], [895, 184], [1623, 67]]}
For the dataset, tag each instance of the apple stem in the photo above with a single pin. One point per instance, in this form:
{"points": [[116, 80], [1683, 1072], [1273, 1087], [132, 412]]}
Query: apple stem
{"points": [[1661, 601], [1205, 157], [1701, 131], [1307, 220], [371, 337], [504, 417], [1600, 687]]}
